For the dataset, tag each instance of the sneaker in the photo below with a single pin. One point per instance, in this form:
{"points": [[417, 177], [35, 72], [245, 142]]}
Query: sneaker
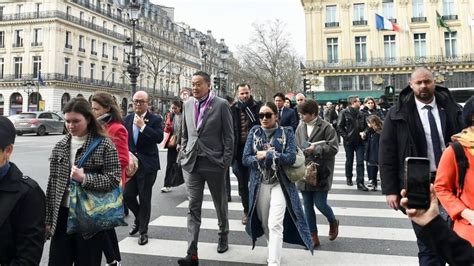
{"points": [[165, 189], [369, 184]]}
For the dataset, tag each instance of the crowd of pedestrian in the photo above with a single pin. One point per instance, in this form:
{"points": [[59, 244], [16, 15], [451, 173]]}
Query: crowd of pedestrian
{"points": [[207, 135]]}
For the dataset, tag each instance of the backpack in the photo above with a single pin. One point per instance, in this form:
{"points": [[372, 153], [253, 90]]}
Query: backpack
{"points": [[462, 165]]}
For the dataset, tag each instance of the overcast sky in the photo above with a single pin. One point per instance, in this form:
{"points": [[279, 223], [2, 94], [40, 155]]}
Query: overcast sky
{"points": [[232, 19]]}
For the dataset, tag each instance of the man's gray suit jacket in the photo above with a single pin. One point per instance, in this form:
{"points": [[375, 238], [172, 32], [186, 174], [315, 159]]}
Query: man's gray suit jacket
{"points": [[214, 139]]}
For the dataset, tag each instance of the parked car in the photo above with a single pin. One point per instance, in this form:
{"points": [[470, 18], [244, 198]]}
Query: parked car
{"points": [[40, 123]]}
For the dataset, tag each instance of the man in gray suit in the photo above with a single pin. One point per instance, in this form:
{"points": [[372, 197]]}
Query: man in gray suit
{"points": [[206, 152]]}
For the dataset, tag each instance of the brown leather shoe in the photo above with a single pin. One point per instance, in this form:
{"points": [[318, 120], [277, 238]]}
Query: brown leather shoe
{"points": [[333, 230], [315, 239]]}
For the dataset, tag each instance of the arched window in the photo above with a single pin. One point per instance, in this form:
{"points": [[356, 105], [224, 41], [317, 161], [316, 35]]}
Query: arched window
{"points": [[16, 103], [65, 99]]}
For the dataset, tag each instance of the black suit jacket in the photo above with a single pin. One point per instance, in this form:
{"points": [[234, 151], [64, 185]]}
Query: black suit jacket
{"points": [[288, 118], [146, 148]]}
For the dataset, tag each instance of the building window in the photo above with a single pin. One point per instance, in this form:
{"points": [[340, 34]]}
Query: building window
{"points": [[92, 71], [81, 17], [113, 75], [36, 66], [18, 38], [359, 12], [388, 9], [389, 47], [114, 28], [331, 17], [333, 56], [68, 11], [38, 5], [37, 37], [418, 8], [420, 44], [66, 67], [104, 50], [68, 40], [18, 9], [114, 53], [2, 39], [450, 43], [79, 69], [361, 49], [18, 67], [449, 7], [93, 20], [2, 67], [81, 43], [93, 51], [1, 12], [102, 74]]}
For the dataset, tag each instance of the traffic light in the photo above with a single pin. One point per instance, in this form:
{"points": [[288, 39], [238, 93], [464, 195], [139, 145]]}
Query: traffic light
{"points": [[216, 83], [306, 85], [389, 90]]}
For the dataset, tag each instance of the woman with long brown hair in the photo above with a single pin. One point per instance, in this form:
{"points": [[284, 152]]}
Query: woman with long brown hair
{"points": [[100, 172], [107, 113]]}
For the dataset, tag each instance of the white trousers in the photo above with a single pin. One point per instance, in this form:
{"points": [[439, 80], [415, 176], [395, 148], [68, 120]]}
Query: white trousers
{"points": [[271, 206]]}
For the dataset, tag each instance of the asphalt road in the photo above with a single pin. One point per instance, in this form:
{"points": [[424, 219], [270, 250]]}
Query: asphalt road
{"points": [[370, 233]]}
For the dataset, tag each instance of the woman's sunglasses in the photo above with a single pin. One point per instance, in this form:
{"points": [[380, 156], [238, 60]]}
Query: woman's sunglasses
{"points": [[265, 115]]}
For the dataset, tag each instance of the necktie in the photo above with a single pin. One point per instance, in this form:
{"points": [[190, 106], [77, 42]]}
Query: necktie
{"points": [[136, 131], [280, 113], [435, 140]]}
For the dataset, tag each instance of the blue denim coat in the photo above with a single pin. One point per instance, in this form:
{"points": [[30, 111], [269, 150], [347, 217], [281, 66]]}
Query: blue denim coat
{"points": [[295, 230]]}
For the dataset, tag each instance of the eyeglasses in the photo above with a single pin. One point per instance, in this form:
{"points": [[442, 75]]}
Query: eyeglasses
{"points": [[139, 102], [265, 115]]}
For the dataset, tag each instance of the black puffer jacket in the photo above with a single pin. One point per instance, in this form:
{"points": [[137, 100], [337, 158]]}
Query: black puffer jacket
{"points": [[349, 124], [22, 216], [403, 135]]}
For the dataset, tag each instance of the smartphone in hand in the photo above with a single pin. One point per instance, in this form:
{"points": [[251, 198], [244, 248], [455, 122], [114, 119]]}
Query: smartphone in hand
{"points": [[417, 182]]}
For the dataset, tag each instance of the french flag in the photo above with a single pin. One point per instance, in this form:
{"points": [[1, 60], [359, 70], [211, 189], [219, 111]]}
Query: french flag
{"points": [[382, 23]]}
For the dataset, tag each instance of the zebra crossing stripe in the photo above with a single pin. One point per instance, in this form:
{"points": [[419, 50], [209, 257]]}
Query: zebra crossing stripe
{"points": [[360, 232], [244, 254], [338, 211]]}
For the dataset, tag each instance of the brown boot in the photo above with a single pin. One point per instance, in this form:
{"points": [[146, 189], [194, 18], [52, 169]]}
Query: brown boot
{"points": [[315, 239], [333, 230]]}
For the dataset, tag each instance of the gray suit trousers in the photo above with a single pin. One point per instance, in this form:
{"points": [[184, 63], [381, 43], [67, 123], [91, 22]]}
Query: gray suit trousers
{"points": [[205, 171]]}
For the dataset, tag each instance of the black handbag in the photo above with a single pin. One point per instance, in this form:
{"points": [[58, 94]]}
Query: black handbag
{"points": [[177, 178]]}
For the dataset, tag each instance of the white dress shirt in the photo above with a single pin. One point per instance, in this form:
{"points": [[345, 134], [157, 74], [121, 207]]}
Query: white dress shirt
{"points": [[423, 112]]}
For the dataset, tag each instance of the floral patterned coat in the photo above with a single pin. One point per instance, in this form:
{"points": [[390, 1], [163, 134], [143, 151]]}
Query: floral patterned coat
{"points": [[295, 227]]}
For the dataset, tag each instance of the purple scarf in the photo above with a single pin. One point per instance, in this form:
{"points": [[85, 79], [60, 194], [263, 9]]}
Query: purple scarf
{"points": [[200, 107]]}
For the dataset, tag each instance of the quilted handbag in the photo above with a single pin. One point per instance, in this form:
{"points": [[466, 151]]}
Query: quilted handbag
{"points": [[93, 211]]}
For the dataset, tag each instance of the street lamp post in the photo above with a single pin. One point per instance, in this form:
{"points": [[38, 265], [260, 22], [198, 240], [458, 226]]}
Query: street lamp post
{"points": [[203, 46], [29, 91], [133, 48], [223, 73]]}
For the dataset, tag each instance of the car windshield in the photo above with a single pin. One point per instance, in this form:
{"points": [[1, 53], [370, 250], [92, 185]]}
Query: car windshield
{"points": [[23, 116]]}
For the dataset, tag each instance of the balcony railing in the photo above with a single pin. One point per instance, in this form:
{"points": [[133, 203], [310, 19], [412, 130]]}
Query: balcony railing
{"points": [[331, 24], [2, 45], [450, 17], [184, 43], [93, 53], [105, 56], [17, 44], [50, 77], [68, 46], [359, 22], [82, 50], [115, 58], [418, 19], [35, 44], [391, 62]]}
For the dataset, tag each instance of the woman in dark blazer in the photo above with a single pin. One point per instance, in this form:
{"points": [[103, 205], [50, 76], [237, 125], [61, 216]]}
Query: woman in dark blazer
{"points": [[318, 139]]}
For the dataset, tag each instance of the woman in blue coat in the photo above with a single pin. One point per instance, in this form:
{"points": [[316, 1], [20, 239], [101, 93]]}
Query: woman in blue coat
{"points": [[274, 206]]}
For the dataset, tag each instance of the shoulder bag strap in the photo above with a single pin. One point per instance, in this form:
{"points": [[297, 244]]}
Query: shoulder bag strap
{"points": [[89, 151]]}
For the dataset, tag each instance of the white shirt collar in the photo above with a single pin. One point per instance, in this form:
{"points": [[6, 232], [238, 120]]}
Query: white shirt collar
{"points": [[420, 105]]}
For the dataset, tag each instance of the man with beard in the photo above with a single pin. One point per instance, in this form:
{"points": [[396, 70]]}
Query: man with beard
{"points": [[245, 116], [419, 125]]}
